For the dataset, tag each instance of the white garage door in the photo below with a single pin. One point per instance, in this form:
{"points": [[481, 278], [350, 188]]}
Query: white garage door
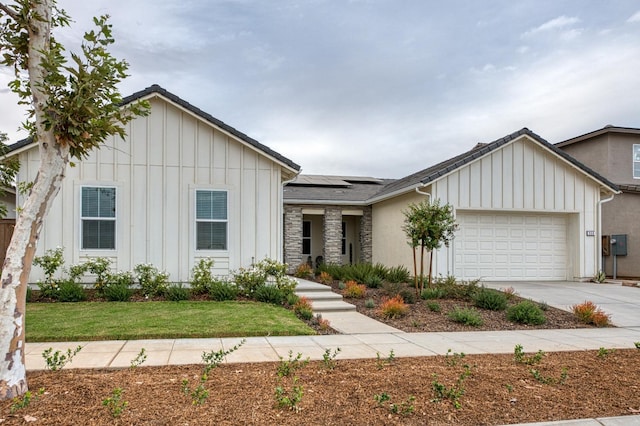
{"points": [[509, 246]]}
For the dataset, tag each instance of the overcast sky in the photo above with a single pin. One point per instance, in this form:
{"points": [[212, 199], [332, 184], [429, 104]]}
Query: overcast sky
{"points": [[378, 87]]}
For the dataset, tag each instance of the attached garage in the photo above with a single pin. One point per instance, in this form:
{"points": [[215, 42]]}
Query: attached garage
{"points": [[511, 246], [525, 209]]}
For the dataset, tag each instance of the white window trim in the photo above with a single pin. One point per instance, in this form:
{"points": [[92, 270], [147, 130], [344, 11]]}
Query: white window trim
{"points": [[307, 238], [83, 218], [196, 220], [635, 149]]}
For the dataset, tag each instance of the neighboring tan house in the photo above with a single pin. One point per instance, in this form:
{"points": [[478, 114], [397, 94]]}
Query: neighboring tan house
{"points": [[182, 186], [614, 152], [526, 210]]}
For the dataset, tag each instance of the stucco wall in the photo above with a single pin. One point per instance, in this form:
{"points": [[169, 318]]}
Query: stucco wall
{"points": [[621, 216], [165, 158]]}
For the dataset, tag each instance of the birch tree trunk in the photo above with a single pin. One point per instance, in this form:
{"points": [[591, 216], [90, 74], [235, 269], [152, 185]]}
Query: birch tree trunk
{"points": [[54, 156]]}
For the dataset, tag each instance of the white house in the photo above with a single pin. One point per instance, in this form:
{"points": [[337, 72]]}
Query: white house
{"points": [[526, 211], [181, 186]]}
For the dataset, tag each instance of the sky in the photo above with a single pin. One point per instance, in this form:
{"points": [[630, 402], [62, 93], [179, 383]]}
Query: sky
{"points": [[378, 88]]}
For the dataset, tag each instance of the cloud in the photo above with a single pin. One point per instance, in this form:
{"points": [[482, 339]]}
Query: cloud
{"points": [[555, 24], [635, 17]]}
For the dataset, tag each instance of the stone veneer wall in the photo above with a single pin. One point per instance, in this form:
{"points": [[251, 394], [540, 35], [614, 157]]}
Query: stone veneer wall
{"points": [[292, 237], [366, 235], [332, 252]]}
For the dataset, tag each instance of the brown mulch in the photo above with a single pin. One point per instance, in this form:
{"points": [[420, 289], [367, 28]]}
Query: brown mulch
{"points": [[564, 385], [422, 319], [498, 391]]}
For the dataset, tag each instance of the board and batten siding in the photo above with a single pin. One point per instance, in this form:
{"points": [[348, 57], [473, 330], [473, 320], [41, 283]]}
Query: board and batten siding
{"points": [[165, 158], [518, 177]]}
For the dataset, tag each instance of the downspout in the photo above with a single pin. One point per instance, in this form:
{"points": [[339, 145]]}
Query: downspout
{"points": [[281, 220], [599, 242], [422, 185]]}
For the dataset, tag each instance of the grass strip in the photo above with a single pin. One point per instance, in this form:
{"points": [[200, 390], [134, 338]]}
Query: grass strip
{"points": [[58, 322]]}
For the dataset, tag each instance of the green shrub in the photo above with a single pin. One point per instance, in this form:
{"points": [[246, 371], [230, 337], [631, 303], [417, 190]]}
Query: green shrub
{"points": [[249, 280], [433, 293], [487, 298], [409, 296], [50, 262], [369, 304], [526, 312], [70, 291], [29, 294], [292, 299], [201, 276], [269, 294], [333, 269], [393, 289], [466, 316], [176, 293], [117, 292], [100, 267], [434, 306], [222, 290], [398, 274], [152, 282], [372, 280]]}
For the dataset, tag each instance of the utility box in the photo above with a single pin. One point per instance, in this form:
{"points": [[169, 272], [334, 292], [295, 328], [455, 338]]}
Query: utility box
{"points": [[619, 245]]}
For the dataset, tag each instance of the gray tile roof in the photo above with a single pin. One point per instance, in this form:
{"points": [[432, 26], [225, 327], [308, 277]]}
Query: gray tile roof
{"points": [[606, 129], [197, 111], [630, 188]]}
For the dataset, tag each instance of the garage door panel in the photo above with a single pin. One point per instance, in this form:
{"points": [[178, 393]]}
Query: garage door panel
{"points": [[511, 246]]}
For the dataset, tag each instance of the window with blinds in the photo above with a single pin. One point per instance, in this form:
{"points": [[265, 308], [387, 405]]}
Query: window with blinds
{"points": [[98, 217], [211, 220]]}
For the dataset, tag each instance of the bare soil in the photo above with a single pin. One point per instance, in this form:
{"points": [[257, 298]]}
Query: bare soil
{"points": [[497, 391], [474, 389]]}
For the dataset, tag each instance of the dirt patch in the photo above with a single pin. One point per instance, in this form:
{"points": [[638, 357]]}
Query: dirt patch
{"points": [[497, 390]]}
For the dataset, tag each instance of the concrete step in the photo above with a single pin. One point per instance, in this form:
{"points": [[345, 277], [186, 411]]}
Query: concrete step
{"points": [[308, 286], [320, 295], [331, 306]]}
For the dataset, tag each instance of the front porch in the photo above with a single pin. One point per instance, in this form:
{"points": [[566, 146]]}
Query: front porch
{"points": [[326, 234]]}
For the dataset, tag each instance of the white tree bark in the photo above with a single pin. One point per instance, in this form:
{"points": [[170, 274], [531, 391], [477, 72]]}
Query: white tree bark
{"points": [[54, 156]]}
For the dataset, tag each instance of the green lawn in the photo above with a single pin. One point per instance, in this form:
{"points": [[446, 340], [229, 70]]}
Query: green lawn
{"points": [[48, 322]]}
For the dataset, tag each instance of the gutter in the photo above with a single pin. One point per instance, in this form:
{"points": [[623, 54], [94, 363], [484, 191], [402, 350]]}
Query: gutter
{"points": [[599, 242]]}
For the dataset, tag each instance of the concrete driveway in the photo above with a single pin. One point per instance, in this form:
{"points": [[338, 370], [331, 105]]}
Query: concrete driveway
{"points": [[622, 303]]}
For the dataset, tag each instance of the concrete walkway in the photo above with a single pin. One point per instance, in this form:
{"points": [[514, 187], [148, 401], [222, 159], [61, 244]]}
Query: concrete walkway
{"points": [[364, 337]]}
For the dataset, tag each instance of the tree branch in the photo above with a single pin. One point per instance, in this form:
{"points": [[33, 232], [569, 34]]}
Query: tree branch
{"points": [[9, 12]]}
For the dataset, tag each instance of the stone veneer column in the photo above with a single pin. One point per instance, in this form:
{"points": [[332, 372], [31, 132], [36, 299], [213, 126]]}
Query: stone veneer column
{"points": [[332, 248], [366, 236], [292, 237]]}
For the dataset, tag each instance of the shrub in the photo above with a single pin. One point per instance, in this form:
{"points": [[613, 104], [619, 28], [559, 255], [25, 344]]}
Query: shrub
{"points": [[393, 307], [333, 269], [369, 304], [398, 274], [304, 271], [269, 294], [286, 284], [372, 280], [434, 306], [433, 293], [408, 296], [202, 278], [248, 280], [493, 300], [292, 299], [325, 278], [50, 262], [466, 316], [152, 282], [588, 313], [393, 289], [354, 290], [526, 312], [100, 267], [124, 278], [302, 308], [70, 291], [117, 292], [176, 293], [509, 292], [272, 267], [222, 290]]}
